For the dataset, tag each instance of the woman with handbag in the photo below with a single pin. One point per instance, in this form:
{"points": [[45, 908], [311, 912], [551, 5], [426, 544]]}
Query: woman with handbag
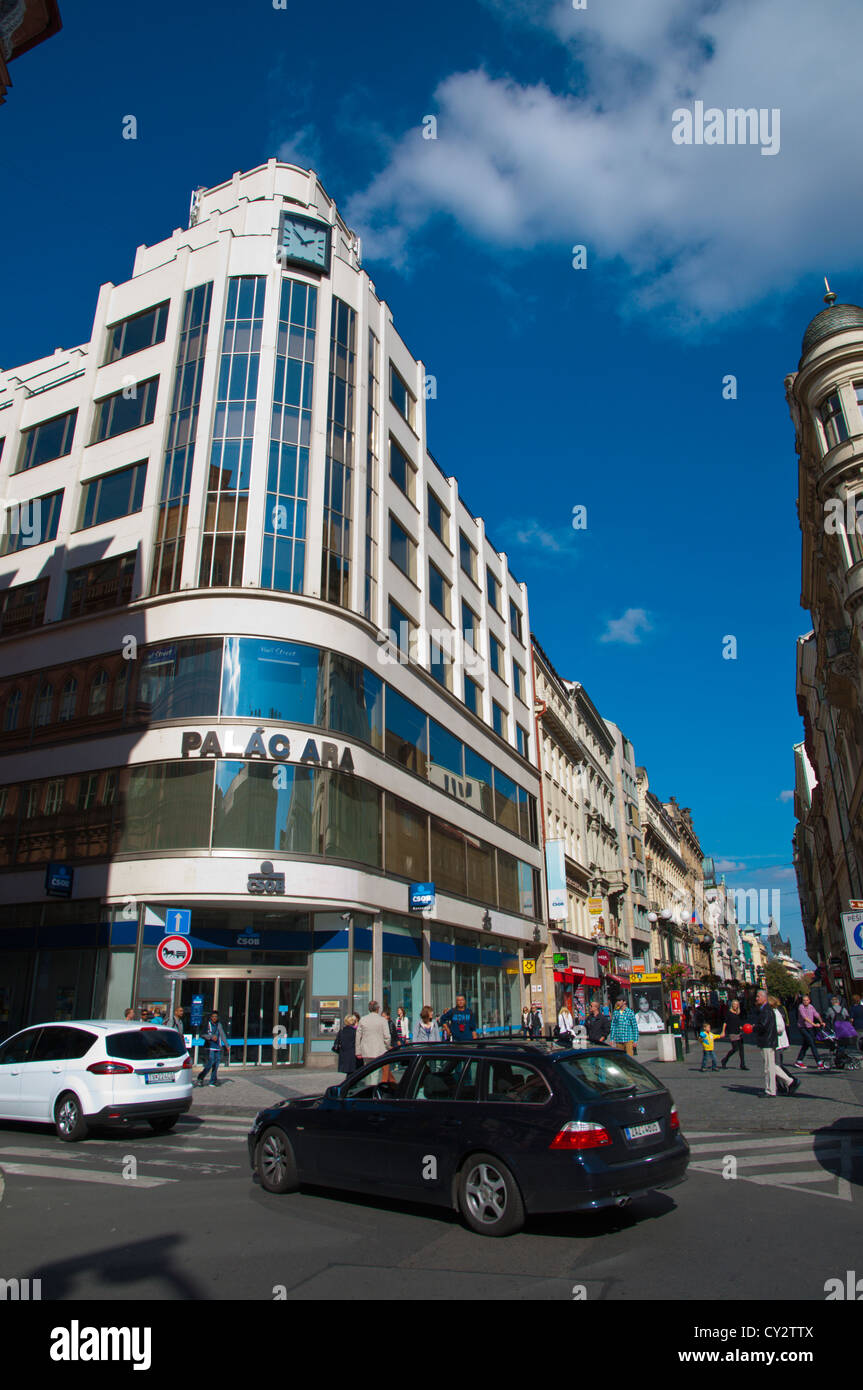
{"points": [[565, 1023], [345, 1045]]}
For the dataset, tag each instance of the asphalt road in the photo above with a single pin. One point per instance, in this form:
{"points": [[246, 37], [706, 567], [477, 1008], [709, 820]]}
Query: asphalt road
{"points": [[185, 1221]]}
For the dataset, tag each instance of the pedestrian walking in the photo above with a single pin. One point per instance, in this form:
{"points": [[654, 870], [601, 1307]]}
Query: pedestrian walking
{"points": [[214, 1041], [837, 1011], [428, 1028], [534, 1022], [565, 1024], [732, 1030], [345, 1045], [624, 1028], [525, 1022], [373, 1035], [767, 1037], [708, 1047], [597, 1025], [808, 1019], [403, 1025], [177, 1021], [459, 1023]]}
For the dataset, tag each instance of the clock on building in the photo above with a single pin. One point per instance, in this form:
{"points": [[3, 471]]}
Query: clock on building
{"points": [[305, 242]]}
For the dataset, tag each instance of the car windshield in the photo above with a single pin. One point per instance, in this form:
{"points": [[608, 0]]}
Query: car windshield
{"points": [[145, 1044], [602, 1073]]}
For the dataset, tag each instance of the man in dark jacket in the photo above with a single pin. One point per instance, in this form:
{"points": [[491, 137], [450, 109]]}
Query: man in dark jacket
{"points": [[597, 1025], [766, 1035]]}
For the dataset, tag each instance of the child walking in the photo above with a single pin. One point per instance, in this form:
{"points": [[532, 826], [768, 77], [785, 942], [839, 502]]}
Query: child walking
{"points": [[708, 1042]]}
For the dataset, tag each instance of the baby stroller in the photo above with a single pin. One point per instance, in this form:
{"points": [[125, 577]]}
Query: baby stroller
{"points": [[840, 1040]]}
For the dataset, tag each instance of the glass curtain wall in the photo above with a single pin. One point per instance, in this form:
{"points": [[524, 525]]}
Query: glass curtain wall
{"points": [[338, 474], [284, 549], [370, 601]]}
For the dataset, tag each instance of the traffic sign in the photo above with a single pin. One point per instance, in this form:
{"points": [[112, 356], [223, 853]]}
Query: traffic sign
{"points": [[174, 952], [853, 924], [178, 921], [529, 967]]}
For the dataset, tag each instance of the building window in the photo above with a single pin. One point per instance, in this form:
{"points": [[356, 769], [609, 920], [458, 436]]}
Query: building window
{"points": [[180, 448], [52, 439], [400, 627], [224, 539], [473, 696], [94, 588], [12, 712], [339, 467], [492, 589], [467, 556], [406, 738], [98, 693], [372, 462], [121, 412], [521, 740], [832, 419], [23, 606], [137, 332], [33, 522], [113, 495], [407, 839], [31, 801], [44, 706], [498, 718], [402, 549], [284, 548], [403, 399], [87, 787], [439, 664], [518, 681], [438, 518], [439, 591], [469, 624], [496, 655], [54, 795], [68, 700], [515, 620], [402, 471], [109, 789], [121, 682]]}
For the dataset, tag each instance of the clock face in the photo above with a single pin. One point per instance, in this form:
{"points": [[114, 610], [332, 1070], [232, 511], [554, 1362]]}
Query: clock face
{"points": [[305, 242]]}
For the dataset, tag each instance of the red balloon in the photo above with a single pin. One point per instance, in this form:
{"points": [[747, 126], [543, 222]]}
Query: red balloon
{"points": [[747, 1028]]}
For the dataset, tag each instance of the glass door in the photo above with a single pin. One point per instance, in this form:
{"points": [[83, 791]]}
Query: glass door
{"points": [[260, 1022], [291, 1021], [232, 1015]]}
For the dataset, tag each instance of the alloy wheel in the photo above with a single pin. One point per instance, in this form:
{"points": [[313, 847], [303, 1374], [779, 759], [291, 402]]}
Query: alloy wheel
{"points": [[485, 1194]]}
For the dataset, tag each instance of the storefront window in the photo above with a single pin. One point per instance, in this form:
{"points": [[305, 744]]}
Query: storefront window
{"points": [[362, 982], [180, 680], [406, 840], [167, 807], [278, 681], [256, 810], [355, 702], [402, 968]]}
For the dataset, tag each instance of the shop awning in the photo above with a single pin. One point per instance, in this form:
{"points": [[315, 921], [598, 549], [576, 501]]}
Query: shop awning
{"points": [[620, 979], [569, 977], [592, 980]]}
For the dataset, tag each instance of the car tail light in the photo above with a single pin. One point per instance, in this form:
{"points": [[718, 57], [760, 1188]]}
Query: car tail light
{"points": [[675, 1120], [148, 1028], [187, 1062], [581, 1134], [109, 1068]]}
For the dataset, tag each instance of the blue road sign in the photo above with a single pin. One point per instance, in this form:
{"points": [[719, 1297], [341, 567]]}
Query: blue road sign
{"points": [[178, 921]]}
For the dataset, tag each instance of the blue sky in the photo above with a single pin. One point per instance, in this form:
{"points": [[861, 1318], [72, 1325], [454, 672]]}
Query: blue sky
{"points": [[557, 386]]}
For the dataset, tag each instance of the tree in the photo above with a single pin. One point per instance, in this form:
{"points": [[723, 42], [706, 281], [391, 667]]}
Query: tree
{"points": [[779, 981]]}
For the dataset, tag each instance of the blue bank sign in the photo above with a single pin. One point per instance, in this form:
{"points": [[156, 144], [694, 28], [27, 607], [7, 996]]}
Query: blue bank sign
{"points": [[421, 896], [58, 880]]}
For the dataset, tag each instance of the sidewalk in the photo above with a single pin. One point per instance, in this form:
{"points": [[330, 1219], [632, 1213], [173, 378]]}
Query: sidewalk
{"points": [[724, 1101]]}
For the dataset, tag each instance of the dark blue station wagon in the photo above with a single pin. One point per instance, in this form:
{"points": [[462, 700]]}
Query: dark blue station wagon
{"points": [[495, 1130]]}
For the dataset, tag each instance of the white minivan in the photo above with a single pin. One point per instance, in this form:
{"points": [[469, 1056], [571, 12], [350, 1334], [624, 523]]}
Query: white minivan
{"points": [[78, 1075]]}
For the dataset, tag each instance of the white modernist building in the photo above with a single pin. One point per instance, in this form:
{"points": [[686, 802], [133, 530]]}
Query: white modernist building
{"points": [[259, 659]]}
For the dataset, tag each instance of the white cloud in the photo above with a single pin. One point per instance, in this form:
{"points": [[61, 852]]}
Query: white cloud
{"points": [[531, 534], [786, 796], [729, 866], [629, 628], [704, 230]]}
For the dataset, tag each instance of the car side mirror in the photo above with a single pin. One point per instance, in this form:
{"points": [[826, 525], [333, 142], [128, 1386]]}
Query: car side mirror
{"points": [[333, 1092]]}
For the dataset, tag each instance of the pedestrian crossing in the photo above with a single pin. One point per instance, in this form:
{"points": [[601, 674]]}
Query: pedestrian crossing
{"points": [[823, 1165], [198, 1147]]}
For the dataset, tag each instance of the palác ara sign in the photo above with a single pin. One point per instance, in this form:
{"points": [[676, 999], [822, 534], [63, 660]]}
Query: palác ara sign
{"points": [[269, 745]]}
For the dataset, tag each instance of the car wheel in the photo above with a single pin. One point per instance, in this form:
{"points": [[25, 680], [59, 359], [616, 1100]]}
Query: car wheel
{"points": [[69, 1119], [275, 1164], [488, 1197], [163, 1125]]}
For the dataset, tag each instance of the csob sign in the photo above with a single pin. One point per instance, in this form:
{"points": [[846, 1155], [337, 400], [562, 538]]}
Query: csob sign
{"points": [[269, 746], [267, 881], [421, 897]]}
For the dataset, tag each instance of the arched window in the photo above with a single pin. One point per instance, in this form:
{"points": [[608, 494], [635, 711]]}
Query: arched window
{"points": [[13, 711], [44, 705], [98, 693], [68, 699]]}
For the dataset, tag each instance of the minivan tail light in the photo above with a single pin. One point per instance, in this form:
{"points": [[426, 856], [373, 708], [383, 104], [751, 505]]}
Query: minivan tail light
{"points": [[187, 1062], [581, 1134], [675, 1120], [109, 1068]]}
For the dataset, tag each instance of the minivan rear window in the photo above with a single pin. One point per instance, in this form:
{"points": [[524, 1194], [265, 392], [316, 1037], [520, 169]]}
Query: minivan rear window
{"points": [[145, 1044], [604, 1073]]}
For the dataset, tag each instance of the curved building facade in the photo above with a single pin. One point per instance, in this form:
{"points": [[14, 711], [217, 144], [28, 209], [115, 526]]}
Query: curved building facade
{"points": [[260, 662]]}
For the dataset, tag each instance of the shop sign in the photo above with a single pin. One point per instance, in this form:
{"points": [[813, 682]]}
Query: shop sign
{"points": [[421, 897], [270, 746], [560, 959], [594, 907], [58, 880], [637, 968], [603, 959], [529, 967], [267, 881], [555, 873], [649, 978], [248, 938]]}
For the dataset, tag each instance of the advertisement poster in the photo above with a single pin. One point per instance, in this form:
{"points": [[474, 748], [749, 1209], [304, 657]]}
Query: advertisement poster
{"points": [[647, 1007]]}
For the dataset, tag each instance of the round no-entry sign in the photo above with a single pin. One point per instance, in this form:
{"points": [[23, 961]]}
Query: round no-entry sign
{"points": [[174, 952]]}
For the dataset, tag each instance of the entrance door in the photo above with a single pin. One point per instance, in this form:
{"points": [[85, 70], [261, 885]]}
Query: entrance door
{"points": [[256, 1011], [291, 1017]]}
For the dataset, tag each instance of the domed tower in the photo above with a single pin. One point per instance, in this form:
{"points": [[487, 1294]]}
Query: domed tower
{"points": [[825, 398]]}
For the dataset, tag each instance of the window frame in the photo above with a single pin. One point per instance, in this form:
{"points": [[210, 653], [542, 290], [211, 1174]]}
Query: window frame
{"points": [[443, 534], [111, 328], [464, 540], [410, 398], [411, 549]]}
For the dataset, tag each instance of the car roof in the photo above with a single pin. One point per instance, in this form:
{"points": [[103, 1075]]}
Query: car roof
{"points": [[534, 1050], [102, 1025]]}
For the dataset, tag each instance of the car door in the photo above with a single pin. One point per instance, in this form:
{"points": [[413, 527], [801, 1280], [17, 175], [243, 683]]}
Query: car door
{"points": [[14, 1060], [432, 1125], [346, 1141], [52, 1068]]}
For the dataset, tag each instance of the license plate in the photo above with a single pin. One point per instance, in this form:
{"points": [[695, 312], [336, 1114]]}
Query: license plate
{"points": [[641, 1131], [153, 1078]]}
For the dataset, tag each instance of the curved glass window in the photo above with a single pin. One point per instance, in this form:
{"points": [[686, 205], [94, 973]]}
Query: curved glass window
{"points": [[260, 806], [353, 819], [446, 758], [406, 840], [506, 801], [180, 680], [355, 701], [480, 870], [407, 733], [448, 864], [167, 807], [272, 680], [477, 773]]}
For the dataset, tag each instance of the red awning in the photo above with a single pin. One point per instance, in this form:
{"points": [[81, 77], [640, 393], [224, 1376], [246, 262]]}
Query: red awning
{"points": [[592, 980], [568, 977], [621, 980]]}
